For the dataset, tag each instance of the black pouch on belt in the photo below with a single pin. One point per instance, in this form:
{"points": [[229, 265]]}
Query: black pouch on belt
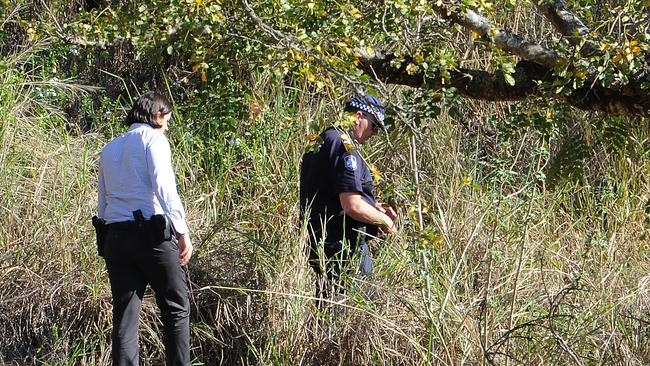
{"points": [[100, 233], [160, 228]]}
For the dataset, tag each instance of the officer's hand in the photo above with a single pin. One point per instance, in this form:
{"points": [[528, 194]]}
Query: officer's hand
{"points": [[385, 209], [389, 226], [390, 212], [185, 248]]}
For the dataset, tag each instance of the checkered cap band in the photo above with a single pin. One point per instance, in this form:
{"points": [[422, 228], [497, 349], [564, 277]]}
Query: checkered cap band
{"points": [[370, 105]]}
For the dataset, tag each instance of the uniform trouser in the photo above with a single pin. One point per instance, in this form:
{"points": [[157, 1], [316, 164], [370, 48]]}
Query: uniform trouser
{"points": [[132, 263], [336, 261]]}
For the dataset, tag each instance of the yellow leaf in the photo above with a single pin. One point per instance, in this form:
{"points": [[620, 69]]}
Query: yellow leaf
{"points": [[311, 137], [257, 107], [198, 2], [376, 174], [412, 69], [487, 6], [204, 76]]}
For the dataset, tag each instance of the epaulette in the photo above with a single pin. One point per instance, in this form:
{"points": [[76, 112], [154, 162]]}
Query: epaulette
{"points": [[347, 142]]}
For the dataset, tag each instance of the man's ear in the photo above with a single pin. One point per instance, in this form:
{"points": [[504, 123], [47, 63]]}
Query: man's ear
{"points": [[359, 115]]}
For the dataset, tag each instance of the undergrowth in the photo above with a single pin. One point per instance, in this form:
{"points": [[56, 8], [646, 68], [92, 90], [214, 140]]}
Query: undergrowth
{"points": [[491, 266]]}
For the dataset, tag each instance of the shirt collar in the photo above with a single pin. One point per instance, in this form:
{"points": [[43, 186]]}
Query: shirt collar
{"points": [[139, 125]]}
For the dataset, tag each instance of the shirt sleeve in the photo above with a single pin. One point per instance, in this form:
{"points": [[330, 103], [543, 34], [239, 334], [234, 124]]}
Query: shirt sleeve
{"points": [[159, 165], [101, 192], [346, 169]]}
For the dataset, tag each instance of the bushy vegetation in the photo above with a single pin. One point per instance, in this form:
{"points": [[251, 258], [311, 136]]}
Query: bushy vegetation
{"points": [[524, 226]]}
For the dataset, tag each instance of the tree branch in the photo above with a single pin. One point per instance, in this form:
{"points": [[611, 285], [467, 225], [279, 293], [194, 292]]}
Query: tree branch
{"points": [[475, 84], [503, 38], [482, 85], [287, 42], [60, 33], [567, 24]]}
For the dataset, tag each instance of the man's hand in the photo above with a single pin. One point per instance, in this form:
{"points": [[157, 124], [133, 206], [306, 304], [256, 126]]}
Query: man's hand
{"points": [[360, 210], [389, 211], [389, 225], [185, 248]]}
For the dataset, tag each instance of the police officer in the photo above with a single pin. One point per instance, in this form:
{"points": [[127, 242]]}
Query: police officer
{"points": [[337, 195], [147, 239]]}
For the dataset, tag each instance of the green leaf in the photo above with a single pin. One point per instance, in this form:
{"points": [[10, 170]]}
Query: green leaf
{"points": [[470, 3]]}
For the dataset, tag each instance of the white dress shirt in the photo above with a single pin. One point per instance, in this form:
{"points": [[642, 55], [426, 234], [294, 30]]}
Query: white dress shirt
{"points": [[135, 173]]}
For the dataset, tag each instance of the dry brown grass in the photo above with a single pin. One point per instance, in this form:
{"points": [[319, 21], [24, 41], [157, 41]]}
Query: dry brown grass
{"points": [[484, 271]]}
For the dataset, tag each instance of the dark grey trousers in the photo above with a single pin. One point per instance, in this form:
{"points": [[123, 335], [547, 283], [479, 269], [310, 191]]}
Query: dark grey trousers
{"points": [[337, 262], [133, 262]]}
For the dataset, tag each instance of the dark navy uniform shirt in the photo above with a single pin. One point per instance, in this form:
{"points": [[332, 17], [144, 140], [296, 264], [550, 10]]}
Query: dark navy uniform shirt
{"points": [[325, 173]]}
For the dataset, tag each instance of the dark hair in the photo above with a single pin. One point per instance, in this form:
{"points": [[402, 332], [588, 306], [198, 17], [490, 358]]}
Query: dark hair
{"points": [[147, 108]]}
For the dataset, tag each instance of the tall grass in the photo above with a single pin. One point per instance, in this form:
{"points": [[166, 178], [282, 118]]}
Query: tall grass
{"points": [[54, 300], [489, 266]]}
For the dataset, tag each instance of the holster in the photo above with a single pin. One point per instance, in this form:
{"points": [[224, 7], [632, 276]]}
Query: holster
{"points": [[158, 228], [100, 233]]}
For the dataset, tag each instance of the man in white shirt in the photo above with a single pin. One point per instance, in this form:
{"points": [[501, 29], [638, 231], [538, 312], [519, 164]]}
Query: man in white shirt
{"points": [[147, 239]]}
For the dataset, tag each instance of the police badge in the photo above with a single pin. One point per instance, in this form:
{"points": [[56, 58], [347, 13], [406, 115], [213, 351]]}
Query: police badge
{"points": [[351, 163]]}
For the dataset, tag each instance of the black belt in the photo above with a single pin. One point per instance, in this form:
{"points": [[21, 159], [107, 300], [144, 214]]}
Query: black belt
{"points": [[123, 225]]}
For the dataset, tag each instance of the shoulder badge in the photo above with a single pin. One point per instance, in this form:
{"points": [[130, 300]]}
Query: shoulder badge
{"points": [[351, 163]]}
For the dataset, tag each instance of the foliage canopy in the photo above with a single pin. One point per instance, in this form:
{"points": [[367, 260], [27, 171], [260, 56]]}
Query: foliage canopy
{"points": [[591, 55], [547, 60]]}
